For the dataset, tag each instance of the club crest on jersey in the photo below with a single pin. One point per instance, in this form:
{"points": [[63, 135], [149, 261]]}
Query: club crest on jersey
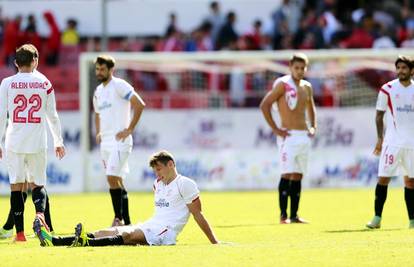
{"points": [[291, 96]]}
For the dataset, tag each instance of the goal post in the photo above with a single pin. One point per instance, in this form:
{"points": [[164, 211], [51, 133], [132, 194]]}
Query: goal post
{"points": [[225, 79]]}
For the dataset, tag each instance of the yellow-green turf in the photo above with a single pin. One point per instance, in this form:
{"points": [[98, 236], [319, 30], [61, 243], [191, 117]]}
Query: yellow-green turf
{"points": [[336, 235]]}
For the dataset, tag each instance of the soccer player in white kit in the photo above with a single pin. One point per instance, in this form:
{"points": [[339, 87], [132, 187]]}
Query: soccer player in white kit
{"points": [[29, 101], [294, 98], [7, 230], [175, 198], [112, 102], [396, 149]]}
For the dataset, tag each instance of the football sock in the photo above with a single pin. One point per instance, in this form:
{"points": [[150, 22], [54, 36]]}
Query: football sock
{"points": [[39, 196], [125, 208], [17, 206], [63, 241], [380, 197], [48, 219], [409, 202], [116, 196], [295, 189], [283, 196], [10, 221], [116, 240]]}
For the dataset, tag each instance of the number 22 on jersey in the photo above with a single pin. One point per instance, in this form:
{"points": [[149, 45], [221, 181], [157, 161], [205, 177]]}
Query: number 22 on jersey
{"points": [[22, 104]]}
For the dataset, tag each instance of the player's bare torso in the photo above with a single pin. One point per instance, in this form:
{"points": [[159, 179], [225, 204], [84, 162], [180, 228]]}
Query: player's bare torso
{"points": [[293, 117]]}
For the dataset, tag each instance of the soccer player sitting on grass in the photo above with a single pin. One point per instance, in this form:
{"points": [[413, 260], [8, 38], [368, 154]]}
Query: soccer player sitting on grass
{"points": [[175, 197]]}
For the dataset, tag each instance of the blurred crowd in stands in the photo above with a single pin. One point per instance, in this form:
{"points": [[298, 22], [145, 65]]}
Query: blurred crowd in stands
{"points": [[294, 24]]}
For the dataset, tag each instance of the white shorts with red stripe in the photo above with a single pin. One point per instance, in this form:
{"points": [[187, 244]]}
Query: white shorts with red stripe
{"points": [[396, 161], [115, 162], [158, 235], [294, 152]]}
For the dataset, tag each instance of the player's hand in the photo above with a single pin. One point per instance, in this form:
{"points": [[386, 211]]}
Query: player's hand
{"points": [[123, 134], [311, 132], [281, 132], [98, 138], [60, 152], [378, 147]]}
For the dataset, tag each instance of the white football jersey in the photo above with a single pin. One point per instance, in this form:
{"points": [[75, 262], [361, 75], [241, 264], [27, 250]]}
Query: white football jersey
{"points": [[29, 101], [291, 95], [112, 104], [171, 202], [398, 102]]}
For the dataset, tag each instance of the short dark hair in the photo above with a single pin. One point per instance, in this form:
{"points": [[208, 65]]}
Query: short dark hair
{"points": [[405, 59], [301, 57], [105, 60], [162, 156], [25, 55]]}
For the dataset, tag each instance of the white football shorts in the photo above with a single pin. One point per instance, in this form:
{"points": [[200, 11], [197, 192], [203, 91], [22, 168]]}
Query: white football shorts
{"points": [[158, 235], [396, 161], [115, 162], [294, 152], [30, 167]]}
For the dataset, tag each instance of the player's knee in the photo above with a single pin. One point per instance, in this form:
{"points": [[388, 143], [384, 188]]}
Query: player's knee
{"points": [[113, 181], [384, 180], [296, 176], [409, 183], [134, 238]]}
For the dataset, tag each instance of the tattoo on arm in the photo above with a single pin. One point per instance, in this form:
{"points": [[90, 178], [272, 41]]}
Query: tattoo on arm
{"points": [[379, 121]]}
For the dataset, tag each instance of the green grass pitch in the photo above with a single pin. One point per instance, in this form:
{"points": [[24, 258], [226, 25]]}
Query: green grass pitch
{"points": [[335, 237]]}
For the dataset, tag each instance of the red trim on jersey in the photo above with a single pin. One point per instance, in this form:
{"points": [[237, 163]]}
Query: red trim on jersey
{"points": [[195, 199], [165, 230], [50, 90], [389, 104]]}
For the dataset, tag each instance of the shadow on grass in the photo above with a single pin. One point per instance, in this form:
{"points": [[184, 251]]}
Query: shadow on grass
{"points": [[244, 225], [360, 230]]}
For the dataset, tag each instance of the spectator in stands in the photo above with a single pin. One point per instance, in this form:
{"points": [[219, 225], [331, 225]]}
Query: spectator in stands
{"points": [[172, 25], [12, 39], [206, 42], [227, 36], [70, 35], [254, 37], [329, 24], [361, 35], [309, 35], [384, 39], [30, 34], [53, 41], [173, 41], [216, 19], [288, 12], [409, 41], [150, 44]]}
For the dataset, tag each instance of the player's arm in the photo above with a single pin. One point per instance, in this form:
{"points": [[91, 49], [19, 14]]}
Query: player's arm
{"points": [[97, 121], [381, 107], [54, 124], [138, 106], [3, 113], [195, 209], [311, 110], [266, 108], [379, 122]]}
